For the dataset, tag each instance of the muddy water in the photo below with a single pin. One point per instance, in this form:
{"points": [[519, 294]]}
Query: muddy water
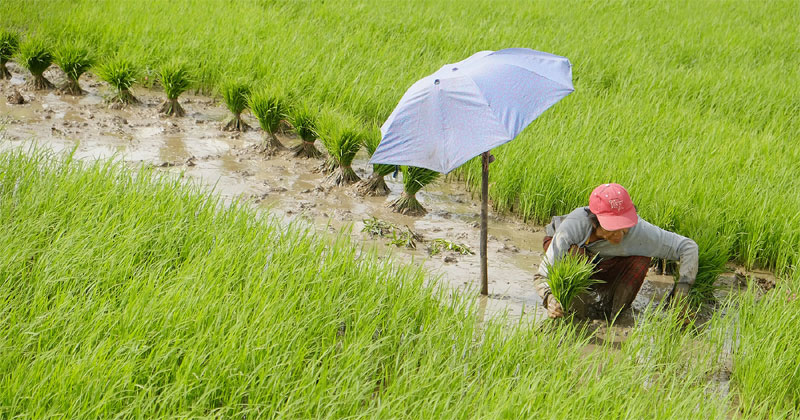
{"points": [[196, 146]]}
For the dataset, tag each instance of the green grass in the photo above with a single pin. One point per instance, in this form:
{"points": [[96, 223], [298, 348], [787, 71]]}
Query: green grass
{"points": [[134, 295], [269, 107], [74, 60], [121, 73], [667, 93], [9, 45], [35, 55], [569, 277]]}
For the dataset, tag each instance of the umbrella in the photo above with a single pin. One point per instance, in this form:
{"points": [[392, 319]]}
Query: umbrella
{"points": [[467, 108]]}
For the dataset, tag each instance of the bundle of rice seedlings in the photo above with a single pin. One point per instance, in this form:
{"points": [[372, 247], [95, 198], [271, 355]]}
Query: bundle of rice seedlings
{"points": [[9, 45], [269, 107], [413, 180], [569, 277], [121, 74], [74, 60], [303, 119], [35, 56], [375, 185], [175, 79], [342, 138], [235, 94]]}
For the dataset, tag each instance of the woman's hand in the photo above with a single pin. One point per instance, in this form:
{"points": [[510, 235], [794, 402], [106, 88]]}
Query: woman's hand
{"points": [[554, 309]]}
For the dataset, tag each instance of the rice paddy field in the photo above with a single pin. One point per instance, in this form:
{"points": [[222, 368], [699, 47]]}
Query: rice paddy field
{"points": [[131, 294]]}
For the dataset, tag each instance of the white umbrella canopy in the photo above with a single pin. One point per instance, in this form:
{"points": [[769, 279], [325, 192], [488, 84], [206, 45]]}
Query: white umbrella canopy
{"points": [[467, 108], [470, 107]]}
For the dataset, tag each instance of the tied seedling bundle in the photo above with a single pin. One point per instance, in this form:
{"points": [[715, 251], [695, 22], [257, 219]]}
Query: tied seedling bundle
{"points": [[342, 138], [413, 180], [121, 74], [175, 79], [35, 56], [74, 60], [569, 277], [303, 119], [269, 107], [9, 45], [375, 185], [235, 94]]}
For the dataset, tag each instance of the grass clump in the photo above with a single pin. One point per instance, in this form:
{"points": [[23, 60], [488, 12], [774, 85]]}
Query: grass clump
{"points": [[342, 137], [569, 277], [303, 118], [74, 60], [414, 179], [375, 185], [121, 74], [175, 79], [269, 107], [235, 94], [35, 55], [440, 244], [9, 45]]}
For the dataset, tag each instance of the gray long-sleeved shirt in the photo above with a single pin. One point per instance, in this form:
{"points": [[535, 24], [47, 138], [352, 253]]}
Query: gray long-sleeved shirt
{"points": [[643, 239]]}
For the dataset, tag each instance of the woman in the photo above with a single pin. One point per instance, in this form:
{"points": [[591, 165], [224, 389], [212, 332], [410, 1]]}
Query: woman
{"points": [[622, 245]]}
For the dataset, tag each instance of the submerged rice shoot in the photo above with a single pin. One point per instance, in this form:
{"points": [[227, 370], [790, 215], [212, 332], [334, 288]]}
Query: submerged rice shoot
{"points": [[74, 60], [303, 118], [569, 277], [235, 94], [375, 185], [9, 45], [121, 74], [414, 179], [175, 79], [269, 107], [35, 56]]}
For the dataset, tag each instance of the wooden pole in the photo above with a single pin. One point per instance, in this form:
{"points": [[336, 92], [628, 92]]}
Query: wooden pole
{"points": [[484, 224]]}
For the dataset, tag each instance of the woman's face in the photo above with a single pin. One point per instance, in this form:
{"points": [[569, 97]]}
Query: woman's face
{"points": [[613, 236]]}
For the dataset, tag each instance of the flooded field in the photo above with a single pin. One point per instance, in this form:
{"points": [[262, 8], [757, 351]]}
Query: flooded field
{"points": [[292, 188]]}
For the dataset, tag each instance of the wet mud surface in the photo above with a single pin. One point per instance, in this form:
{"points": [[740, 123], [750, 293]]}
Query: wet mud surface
{"points": [[291, 188]]}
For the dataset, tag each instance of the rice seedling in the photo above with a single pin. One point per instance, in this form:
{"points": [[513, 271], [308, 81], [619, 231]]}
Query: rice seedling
{"points": [[377, 227], [569, 277], [34, 54], [342, 138], [440, 244], [74, 60], [375, 185], [235, 94], [269, 107], [9, 45], [121, 74], [303, 118], [404, 238], [414, 179], [176, 79]]}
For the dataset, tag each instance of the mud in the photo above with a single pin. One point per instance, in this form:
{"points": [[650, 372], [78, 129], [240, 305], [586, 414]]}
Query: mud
{"points": [[230, 164]]}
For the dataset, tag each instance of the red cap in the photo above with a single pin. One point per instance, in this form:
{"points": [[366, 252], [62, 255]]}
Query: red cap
{"points": [[613, 207]]}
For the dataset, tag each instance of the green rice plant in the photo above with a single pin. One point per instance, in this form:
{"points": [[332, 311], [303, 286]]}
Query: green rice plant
{"points": [[303, 118], [569, 277], [439, 244], [9, 45], [342, 137], [269, 107], [121, 74], [34, 54], [375, 185], [414, 179], [235, 94], [378, 227], [74, 60], [176, 79], [404, 238]]}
